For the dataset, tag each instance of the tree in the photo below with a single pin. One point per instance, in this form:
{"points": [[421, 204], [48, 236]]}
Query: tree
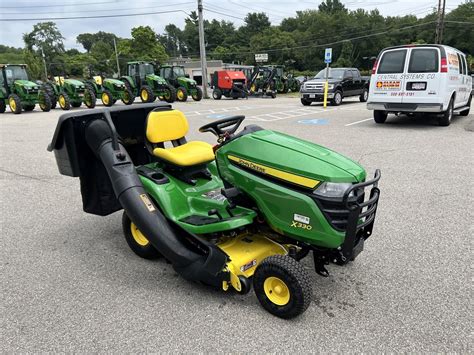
{"points": [[332, 7], [46, 37], [144, 45], [346, 57]]}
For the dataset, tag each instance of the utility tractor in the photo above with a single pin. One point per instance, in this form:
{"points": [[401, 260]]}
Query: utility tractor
{"points": [[142, 81], [229, 83], [70, 93], [280, 78], [110, 90], [18, 92], [176, 77]]}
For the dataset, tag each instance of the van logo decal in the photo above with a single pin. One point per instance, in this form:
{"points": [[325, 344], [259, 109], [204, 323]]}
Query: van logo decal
{"points": [[388, 85]]}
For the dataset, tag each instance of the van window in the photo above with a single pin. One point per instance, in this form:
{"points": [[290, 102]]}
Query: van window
{"points": [[423, 60], [462, 67], [392, 62]]}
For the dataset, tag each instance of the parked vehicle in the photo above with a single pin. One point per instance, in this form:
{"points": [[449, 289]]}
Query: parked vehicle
{"points": [[262, 82], [420, 78], [18, 92], [69, 92], [229, 84], [110, 90], [342, 82], [142, 81], [177, 77]]}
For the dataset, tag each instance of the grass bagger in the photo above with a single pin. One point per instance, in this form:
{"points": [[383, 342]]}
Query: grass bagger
{"points": [[229, 83], [142, 81], [238, 215], [185, 86], [18, 92], [110, 90], [262, 82]]}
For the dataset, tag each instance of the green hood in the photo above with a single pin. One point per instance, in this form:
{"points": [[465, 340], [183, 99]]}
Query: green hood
{"points": [[74, 82], [26, 84], [114, 81], [187, 80], [293, 155], [156, 78]]}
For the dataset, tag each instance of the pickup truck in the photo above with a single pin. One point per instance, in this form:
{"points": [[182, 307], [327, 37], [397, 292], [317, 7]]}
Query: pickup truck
{"points": [[342, 82]]}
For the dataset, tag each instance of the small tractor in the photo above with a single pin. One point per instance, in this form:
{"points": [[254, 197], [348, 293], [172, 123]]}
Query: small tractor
{"points": [[142, 81], [19, 92], [70, 93], [262, 82], [229, 83], [280, 78], [176, 77], [110, 90], [292, 83]]}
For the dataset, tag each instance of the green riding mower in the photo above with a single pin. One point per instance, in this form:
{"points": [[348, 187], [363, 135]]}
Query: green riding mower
{"points": [[262, 82], [70, 93], [142, 81], [176, 77], [237, 215], [110, 90], [18, 92]]}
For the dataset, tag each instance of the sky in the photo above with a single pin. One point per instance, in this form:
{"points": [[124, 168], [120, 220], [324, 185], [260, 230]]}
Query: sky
{"points": [[172, 11]]}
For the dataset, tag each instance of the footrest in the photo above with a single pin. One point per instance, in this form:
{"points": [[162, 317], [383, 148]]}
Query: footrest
{"points": [[197, 220]]}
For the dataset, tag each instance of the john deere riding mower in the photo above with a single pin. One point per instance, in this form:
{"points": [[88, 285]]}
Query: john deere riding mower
{"points": [[262, 82], [110, 90], [142, 81], [18, 92], [240, 214], [176, 77], [70, 92]]}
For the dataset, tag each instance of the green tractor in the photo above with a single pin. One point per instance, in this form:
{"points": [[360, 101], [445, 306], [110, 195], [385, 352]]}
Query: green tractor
{"points": [[262, 82], [70, 93], [176, 77], [279, 78], [292, 83], [142, 81], [18, 92], [110, 90]]}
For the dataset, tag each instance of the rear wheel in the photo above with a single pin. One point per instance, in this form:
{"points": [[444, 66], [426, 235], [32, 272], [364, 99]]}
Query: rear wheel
{"points": [[181, 94], [466, 112], [15, 103], [28, 108], [446, 117], [282, 286], [197, 96], [305, 102], [380, 116], [364, 96], [146, 94], [48, 88], [169, 94], [64, 101], [44, 101], [127, 97], [139, 244], [217, 94], [337, 100], [89, 98], [107, 98]]}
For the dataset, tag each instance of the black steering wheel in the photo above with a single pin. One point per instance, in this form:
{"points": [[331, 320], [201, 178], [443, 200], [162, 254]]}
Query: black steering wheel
{"points": [[223, 127]]}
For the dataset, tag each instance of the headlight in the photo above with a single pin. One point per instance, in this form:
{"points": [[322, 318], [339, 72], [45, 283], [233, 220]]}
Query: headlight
{"points": [[333, 189]]}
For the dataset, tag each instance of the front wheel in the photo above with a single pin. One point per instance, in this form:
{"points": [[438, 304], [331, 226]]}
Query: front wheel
{"points": [[139, 244], [217, 94], [364, 96], [446, 117], [64, 101], [181, 94], [305, 102], [146, 94], [29, 108], [380, 116], [337, 100], [89, 98], [107, 98], [197, 96], [282, 286], [15, 103]]}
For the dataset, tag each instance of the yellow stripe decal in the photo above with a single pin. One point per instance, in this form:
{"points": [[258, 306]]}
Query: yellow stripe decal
{"points": [[282, 175]]}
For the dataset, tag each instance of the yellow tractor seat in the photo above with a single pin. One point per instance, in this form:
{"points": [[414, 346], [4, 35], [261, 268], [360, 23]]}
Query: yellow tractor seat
{"points": [[172, 126]]}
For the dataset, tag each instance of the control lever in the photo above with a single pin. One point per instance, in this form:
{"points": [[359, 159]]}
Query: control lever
{"points": [[216, 213]]}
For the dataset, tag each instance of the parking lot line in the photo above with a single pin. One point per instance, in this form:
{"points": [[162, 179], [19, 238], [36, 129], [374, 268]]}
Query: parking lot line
{"points": [[357, 122]]}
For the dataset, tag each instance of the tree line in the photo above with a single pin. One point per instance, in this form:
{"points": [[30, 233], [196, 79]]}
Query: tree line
{"points": [[298, 42]]}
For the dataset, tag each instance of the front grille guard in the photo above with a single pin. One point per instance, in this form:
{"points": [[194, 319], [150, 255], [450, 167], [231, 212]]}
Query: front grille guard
{"points": [[361, 216]]}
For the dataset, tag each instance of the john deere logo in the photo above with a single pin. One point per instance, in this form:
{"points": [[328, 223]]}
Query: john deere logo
{"points": [[250, 165]]}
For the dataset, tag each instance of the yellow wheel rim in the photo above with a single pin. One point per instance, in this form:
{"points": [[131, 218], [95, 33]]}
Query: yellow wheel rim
{"points": [[180, 94], [139, 238], [62, 101], [253, 87], [12, 104], [144, 95], [105, 99], [276, 290]]}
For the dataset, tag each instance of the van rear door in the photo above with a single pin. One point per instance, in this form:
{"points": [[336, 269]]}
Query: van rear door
{"points": [[422, 77], [386, 85]]}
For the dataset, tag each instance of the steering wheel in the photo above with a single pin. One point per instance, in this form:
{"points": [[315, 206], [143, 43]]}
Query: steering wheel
{"points": [[223, 127]]}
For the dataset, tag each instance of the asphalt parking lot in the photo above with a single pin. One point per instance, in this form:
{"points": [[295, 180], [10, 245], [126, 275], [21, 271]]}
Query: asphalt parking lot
{"points": [[70, 283]]}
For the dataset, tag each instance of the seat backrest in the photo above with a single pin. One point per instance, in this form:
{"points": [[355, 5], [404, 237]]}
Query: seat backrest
{"points": [[166, 125]]}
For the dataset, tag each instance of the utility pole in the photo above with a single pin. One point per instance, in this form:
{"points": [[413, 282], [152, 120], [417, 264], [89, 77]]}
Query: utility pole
{"points": [[45, 67], [440, 21], [116, 58], [202, 48]]}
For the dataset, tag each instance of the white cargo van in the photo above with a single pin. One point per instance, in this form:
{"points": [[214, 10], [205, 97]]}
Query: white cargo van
{"points": [[420, 78]]}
